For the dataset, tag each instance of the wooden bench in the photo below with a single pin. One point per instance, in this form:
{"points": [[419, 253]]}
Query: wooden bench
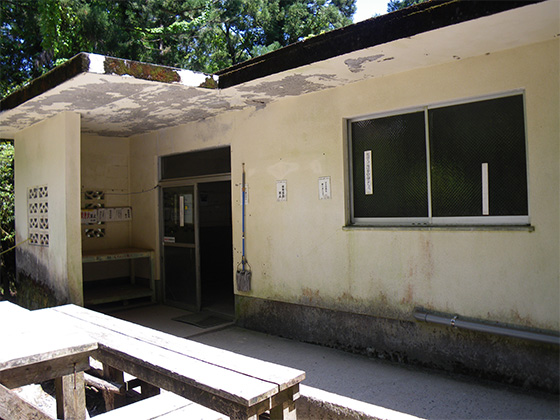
{"points": [[235, 385], [166, 406], [13, 407], [32, 351]]}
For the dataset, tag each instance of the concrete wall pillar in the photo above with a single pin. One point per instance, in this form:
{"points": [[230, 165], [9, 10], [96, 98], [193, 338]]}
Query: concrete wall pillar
{"points": [[47, 156]]}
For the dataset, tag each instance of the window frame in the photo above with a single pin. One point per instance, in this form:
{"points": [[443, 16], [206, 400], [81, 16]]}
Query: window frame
{"points": [[430, 220]]}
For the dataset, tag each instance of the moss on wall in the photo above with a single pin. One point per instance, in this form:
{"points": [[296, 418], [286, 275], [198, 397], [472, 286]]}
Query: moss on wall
{"points": [[32, 294], [34, 285], [141, 70]]}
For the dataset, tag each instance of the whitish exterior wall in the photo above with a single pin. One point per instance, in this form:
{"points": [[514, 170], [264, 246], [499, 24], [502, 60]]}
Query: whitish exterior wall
{"points": [[48, 153], [300, 250], [105, 167]]}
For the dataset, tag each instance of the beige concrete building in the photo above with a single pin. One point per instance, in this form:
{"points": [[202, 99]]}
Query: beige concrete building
{"points": [[400, 170]]}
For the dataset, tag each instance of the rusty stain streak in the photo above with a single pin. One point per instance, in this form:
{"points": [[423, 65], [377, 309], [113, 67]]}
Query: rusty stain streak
{"points": [[311, 295]]}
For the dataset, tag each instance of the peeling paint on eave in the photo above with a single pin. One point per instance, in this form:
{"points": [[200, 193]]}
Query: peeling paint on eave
{"points": [[99, 64], [120, 104]]}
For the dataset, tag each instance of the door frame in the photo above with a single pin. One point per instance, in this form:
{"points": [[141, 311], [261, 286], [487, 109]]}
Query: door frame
{"points": [[183, 182]]}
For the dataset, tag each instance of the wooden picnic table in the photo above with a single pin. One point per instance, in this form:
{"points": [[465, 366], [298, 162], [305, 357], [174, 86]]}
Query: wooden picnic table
{"points": [[33, 351], [237, 386]]}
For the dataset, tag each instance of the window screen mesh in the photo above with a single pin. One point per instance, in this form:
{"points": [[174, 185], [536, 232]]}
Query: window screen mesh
{"points": [[398, 150], [462, 138]]}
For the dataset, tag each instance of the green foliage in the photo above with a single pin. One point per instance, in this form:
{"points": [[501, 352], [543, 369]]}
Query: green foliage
{"points": [[394, 5], [203, 35], [7, 229], [6, 192], [20, 44]]}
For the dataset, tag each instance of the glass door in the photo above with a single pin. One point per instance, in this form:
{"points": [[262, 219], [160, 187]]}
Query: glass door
{"points": [[180, 247]]}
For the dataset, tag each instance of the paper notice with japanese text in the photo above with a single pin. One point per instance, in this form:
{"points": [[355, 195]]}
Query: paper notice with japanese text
{"points": [[368, 173]]}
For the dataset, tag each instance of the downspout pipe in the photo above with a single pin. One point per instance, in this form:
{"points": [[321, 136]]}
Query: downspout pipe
{"points": [[455, 322]]}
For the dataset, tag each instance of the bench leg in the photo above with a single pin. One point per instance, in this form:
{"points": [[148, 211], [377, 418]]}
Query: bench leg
{"points": [[113, 400], [285, 411], [148, 390], [71, 397]]}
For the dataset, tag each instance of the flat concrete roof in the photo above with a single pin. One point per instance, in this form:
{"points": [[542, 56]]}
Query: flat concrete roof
{"points": [[123, 98]]}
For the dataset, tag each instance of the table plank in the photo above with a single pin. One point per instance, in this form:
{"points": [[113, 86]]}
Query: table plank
{"points": [[42, 371], [13, 407], [164, 406], [193, 392], [38, 349], [8, 309], [281, 376], [32, 339], [211, 378]]}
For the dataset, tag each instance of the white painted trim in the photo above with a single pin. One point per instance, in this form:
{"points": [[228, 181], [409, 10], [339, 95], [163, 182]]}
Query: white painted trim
{"points": [[96, 63], [191, 78]]}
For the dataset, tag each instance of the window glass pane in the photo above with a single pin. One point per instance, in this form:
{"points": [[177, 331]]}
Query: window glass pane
{"points": [[465, 137], [204, 162], [180, 275], [398, 167], [178, 214]]}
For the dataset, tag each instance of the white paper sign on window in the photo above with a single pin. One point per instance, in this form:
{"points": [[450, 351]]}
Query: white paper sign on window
{"points": [[181, 211], [485, 194], [368, 173], [187, 214]]}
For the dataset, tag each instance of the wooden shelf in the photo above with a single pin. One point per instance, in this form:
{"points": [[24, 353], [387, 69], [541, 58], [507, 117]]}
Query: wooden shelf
{"points": [[109, 293], [121, 292], [116, 254]]}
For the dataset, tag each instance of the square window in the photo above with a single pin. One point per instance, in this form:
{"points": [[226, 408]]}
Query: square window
{"points": [[390, 157], [465, 137], [475, 171]]}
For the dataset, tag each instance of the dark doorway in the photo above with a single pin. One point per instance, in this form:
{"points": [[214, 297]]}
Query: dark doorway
{"points": [[216, 246], [196, 219], [197, 246]]}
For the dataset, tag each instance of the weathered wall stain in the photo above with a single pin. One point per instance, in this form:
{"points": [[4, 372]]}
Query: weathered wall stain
{"points": [[356, 65], [36, 289], [310, 296], [409, 294], [509, 360], [294, 85]]}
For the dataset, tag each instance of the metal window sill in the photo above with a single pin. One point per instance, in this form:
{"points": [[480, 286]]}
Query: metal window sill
{"points": [[467, 228]]}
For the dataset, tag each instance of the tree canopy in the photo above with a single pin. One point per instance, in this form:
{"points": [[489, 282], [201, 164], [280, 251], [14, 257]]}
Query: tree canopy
{"points": [[7, 234], [202, 35], [394, 5], [6, 192]]}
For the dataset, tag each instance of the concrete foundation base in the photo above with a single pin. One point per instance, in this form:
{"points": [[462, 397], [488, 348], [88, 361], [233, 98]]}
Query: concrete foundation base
{"points": [[321, 405], [509, 360]]}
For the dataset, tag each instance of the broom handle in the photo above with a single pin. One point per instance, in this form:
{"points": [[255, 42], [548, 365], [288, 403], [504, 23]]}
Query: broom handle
{"points": [[243, 217]]}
